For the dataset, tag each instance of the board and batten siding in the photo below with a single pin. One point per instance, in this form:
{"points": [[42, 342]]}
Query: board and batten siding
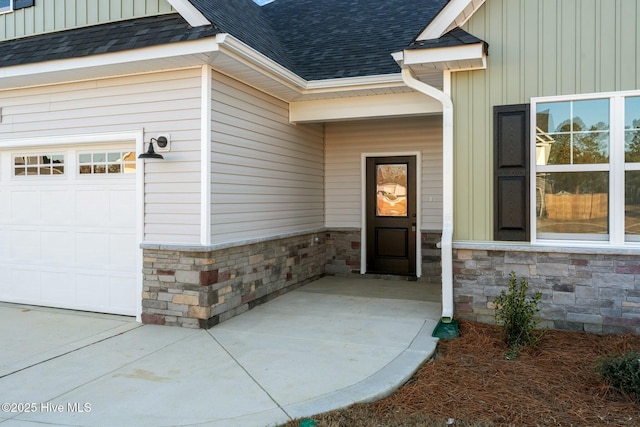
{"points": [[536, 48], [47, 16], [345, 143], [167, 102], [267, 174]]}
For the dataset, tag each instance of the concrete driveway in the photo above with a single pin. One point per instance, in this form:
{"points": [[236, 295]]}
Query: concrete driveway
{"points": [[326, 345]]}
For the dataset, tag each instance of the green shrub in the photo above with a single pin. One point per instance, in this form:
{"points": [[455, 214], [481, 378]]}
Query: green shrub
{"points": [[622, 372], [516, 313]]}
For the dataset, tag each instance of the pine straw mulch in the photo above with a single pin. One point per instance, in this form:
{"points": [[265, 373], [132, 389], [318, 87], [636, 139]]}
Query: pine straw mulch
{"points": [[470, 383]]}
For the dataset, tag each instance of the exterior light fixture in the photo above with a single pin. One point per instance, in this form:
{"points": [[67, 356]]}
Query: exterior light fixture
{"points": [[151, 153]]}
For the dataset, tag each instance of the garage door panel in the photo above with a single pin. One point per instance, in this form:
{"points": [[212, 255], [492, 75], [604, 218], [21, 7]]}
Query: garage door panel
{"points": [[121, 254], [25, 208], [5, 280], [92, 290], [25, 245], [69, 240], [26, 284], [122, 290], [122, 210], [5, 206], [91, 249], [59, 288], [92, 208], [5, 243], [57, 248], [57, 208]]}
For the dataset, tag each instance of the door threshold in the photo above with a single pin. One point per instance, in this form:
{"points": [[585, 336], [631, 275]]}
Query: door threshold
{"points": [[391, 276]]}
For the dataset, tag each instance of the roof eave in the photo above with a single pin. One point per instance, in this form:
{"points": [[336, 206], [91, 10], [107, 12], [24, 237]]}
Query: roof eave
{"points": [[223, 52], [458, 58], [149, 59]]}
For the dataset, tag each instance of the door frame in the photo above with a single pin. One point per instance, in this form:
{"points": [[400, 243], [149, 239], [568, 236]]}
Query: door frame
{"points": [[363, 204], [75, 140]]}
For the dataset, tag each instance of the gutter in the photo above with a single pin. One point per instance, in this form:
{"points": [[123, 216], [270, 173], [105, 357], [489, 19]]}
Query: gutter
{"points": [[446, 245]]}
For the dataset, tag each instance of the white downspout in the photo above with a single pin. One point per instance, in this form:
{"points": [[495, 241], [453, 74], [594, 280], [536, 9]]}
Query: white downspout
{"points": [[446, 245]]}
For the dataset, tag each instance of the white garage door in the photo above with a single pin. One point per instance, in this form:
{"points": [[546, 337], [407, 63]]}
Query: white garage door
{"points": [[67, 228]]}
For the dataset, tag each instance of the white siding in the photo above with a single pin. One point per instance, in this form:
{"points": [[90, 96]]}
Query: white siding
{"points": [[166, 102], [267, 174], [48, 16], [345, 143]]}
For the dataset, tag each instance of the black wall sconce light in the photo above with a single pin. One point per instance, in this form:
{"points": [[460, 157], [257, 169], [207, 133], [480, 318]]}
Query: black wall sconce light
{"points": [[162, 142]]}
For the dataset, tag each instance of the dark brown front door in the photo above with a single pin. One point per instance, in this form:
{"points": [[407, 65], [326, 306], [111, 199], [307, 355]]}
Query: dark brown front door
{"points": [[391, 215]]}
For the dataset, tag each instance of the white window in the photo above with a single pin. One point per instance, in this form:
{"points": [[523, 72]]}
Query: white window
{"points": [[38, 164], [6, 6], [586, 159], [106, 163]]}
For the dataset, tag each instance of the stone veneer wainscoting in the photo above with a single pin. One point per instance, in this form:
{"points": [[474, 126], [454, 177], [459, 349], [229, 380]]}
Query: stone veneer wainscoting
{"points": [[198, 287], [593, 290], [344, 250]]}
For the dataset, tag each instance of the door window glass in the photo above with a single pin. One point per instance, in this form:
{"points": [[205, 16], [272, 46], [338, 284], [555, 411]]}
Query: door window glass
{"points": [[391, 190]]}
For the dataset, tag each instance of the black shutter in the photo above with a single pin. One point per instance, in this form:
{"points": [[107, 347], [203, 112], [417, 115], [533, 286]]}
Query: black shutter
{"points": [[511, 172], [21, 4]]}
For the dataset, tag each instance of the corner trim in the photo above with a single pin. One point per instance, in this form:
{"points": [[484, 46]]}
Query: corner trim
{"points": [[205, 154]]}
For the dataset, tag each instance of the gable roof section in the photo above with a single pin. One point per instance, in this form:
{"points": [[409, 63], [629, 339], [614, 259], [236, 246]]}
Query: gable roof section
{"points": [[246, 21], [329, 39], [454, 38], [105, 38]]}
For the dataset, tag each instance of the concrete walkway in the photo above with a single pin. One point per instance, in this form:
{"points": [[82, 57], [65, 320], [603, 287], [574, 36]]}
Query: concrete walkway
{"points": [[324, 346]]}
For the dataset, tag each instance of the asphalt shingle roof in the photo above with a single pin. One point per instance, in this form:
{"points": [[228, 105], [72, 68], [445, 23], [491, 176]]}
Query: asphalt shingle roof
{"points": [[316, 39], [348, 38], [246, 21], [105, 38]]}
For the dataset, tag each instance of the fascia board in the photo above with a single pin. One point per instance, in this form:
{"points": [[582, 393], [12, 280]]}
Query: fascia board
{"points": [[203, 46], [445, 54], [240, 51], [189, 12], [351, 83], [454, 14], [231, 46]]}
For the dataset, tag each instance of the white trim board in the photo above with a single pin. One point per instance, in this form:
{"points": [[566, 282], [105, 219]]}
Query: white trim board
{"points": [[455, 14], [189, 12], [205, 156], [401, 104], [457, 58]]}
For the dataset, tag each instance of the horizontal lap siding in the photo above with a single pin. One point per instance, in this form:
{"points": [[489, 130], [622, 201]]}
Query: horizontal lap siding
{"points": [[56, 15], [346, 141], [536, 48], [267, 174], [158, 103]]}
